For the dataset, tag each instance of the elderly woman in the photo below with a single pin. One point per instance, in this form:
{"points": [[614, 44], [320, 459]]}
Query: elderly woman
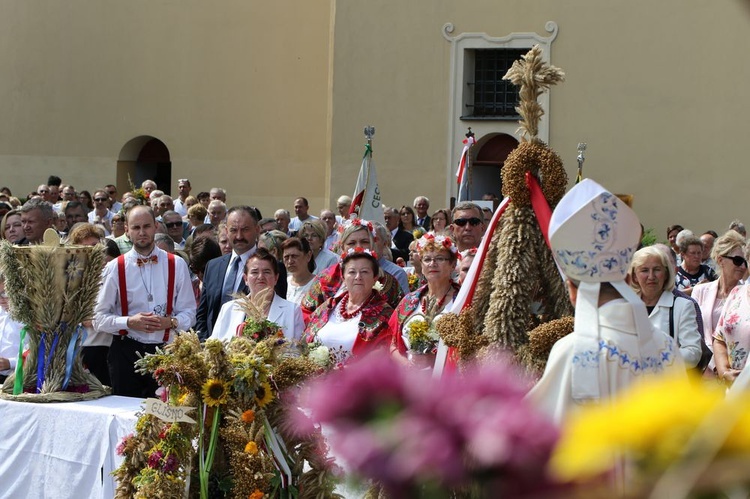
{"points": [[260, 273], [438, 255], [298, 260], [691, 271], [729, 253], [440, 222], [652, 278], [12, 228], [355, 321], [315, 232], [355, 233]]}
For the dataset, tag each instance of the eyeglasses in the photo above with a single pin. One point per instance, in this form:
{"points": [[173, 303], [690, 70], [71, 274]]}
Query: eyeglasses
{"points": [[172, 225], [429, 260], [473, 221], [101, 200], [738, 261]]}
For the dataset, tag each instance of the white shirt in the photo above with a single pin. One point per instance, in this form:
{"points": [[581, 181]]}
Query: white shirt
{"points": [[10, 340], [243, 259], [324, 260], [296, 224], [95, 219], [151, 279], [179, 207]]}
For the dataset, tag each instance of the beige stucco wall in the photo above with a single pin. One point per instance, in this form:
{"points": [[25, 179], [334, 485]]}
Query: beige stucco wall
{"points": [[656, 89], [238, 91], [269, 99]]}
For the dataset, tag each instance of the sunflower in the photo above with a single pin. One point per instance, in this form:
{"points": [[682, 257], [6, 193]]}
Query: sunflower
{"points": [[215, 392], [251, 448], [264, 395]]}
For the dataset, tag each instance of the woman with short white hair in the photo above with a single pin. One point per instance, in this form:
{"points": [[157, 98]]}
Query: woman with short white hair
{"points": [[652, 278]]}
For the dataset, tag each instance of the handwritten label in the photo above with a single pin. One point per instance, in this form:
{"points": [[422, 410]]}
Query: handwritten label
{"points": [[168, 413]]}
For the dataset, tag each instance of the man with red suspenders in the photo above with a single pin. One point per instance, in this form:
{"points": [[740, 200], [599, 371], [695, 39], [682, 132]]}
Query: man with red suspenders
{"points": [[146, 297]]}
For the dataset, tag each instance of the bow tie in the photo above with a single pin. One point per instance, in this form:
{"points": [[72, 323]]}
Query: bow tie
{"points": [[145, 261]]}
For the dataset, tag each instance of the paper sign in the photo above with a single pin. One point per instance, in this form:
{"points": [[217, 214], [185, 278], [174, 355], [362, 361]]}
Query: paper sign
{"points": [[168, 413]]}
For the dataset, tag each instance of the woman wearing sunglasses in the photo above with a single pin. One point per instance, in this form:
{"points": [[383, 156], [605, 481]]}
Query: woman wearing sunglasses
{"points": [[652, 278], [729, 254], [728, 339]]}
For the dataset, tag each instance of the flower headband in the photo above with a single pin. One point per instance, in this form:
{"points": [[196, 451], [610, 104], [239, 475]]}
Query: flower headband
{"points": [[438, 240], [358, 250], [343, 226]]}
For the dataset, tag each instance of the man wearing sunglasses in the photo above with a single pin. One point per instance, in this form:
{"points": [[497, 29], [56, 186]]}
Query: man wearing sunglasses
{"points": [[173, 222], [101, 215], [468, 225]]}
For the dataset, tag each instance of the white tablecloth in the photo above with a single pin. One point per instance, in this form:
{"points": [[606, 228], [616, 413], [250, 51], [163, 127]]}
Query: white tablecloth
{"points": [[62, 450]]}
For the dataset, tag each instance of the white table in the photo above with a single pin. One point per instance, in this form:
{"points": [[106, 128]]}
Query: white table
{"points": [[63, 450]]}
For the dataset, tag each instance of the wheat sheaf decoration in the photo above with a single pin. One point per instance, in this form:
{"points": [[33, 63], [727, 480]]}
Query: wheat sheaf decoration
{"points": [[52, 290], [535, 77]]}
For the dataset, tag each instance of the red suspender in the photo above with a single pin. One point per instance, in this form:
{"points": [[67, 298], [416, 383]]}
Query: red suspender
{"points": [[170, 290], [123, 290]]}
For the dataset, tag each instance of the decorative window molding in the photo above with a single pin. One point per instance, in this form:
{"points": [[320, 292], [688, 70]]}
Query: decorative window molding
{"points": [[464, 48]]}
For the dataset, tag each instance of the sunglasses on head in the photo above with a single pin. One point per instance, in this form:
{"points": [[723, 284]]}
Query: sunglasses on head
{"points": [[738, 261], [473, 221]]}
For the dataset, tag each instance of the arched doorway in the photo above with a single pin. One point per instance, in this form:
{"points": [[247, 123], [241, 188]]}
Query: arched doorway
{"points": [[143, 158], [491, 152]]}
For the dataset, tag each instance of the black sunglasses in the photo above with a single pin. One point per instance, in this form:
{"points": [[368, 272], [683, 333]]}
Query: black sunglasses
{"points": [[461, 222], [101, 200], [738, 261], [172, 225]]}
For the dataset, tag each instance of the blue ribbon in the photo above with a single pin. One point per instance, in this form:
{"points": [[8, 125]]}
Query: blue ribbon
{"points": [[69, 356], [40, 364]]}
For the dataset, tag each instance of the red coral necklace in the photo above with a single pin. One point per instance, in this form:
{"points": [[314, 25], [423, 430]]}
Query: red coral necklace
{"points": [[350, 315]]}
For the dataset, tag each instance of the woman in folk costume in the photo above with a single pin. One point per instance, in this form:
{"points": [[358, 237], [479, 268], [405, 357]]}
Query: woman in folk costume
{"points": [[355, 233], [414, 341], [593, 237]]}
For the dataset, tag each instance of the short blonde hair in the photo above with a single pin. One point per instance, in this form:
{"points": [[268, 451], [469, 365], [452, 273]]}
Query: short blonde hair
{"points": [[727, 243], [640, 257]]}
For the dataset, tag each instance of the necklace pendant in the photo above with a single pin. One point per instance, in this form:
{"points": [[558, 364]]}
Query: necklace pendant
{"points": [[150, 297]]}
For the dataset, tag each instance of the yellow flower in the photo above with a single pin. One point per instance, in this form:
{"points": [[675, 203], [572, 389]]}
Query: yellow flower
{"points": [[248, 416], [215, 392], [264, 395], [251, 448], [256, 495], [651, 421], [183, 398]]}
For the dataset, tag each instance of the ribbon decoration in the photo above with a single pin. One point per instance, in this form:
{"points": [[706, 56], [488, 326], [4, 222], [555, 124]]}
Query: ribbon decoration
{"points": [[540, 205], [275, 444], [18, 379], [70, 354]]}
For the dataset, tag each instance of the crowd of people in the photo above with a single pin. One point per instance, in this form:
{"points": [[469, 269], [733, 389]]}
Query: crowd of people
{"points": [[351, 285]]}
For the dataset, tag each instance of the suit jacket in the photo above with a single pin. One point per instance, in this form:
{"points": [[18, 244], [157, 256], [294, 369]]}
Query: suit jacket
{"points": [[402, 240], [425, 223], [210, 303], [285, 314]]}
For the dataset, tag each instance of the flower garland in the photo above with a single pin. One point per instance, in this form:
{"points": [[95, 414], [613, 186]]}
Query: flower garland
{"points": [[359, 250], [360, 223], [439, 241]]}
